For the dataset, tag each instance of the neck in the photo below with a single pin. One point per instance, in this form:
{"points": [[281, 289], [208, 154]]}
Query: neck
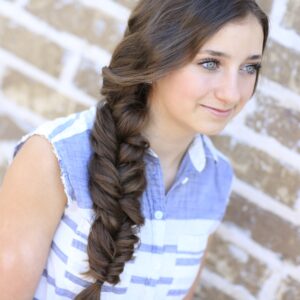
{"points": [[168, 146], [170, 150]]}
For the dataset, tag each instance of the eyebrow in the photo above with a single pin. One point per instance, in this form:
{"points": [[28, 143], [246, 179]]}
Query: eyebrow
{"points": [[221, 54]]}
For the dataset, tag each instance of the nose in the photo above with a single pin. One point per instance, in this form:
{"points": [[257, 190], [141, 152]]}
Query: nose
{"points": [[228, 90]]}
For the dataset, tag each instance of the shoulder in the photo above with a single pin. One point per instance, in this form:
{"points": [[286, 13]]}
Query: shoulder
{"points": [[32, 191], [68, 140], [35, 170], [32, 201], [63, 128]]}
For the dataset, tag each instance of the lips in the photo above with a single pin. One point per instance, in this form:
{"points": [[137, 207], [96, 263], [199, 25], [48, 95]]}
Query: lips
{"points": [[218, 112]]}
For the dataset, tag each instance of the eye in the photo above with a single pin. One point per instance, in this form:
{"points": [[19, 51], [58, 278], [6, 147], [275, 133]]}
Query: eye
{"points": [[251, 69], [210, 64]]}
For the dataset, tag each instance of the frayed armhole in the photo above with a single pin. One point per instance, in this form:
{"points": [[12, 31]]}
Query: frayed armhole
{"points": [[68, 189]]}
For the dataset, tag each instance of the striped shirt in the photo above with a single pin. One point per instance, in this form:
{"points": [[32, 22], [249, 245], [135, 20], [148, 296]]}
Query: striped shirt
{"points": [[177, 223]]}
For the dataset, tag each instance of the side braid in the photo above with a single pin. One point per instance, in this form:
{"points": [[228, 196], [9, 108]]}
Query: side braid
{"points": [[160, 37], [117, 181]]}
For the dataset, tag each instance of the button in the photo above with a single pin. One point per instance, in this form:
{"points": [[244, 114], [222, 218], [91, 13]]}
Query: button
{"points": [[185, 180], [158, 215]]}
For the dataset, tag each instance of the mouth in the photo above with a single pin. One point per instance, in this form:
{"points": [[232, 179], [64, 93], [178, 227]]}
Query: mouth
{"points": [[218, 112]]}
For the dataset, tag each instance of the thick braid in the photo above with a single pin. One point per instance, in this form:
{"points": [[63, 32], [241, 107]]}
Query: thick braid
{"points": [[117, 181], [160, 37]]}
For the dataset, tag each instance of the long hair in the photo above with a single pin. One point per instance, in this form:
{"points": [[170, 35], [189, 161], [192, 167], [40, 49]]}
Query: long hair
{"points": [[160, 37]]}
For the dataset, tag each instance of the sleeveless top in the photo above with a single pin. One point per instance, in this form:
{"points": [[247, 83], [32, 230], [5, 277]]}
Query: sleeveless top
{"points": [[177, 223]]}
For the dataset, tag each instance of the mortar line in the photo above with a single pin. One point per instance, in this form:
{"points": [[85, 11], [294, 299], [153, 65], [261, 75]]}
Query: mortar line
{"points": [[237, 292], [24, 67], [266, 202], [111, 8], [264, 143], [65, 40], [232, 233]]}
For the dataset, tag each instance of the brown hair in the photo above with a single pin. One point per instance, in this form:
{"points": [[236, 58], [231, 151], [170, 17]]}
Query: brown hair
{"points": [[160, 37]]}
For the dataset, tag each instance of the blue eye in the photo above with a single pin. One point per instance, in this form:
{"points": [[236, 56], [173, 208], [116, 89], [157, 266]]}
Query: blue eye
{"points": [[210, 64], [251, 69]]}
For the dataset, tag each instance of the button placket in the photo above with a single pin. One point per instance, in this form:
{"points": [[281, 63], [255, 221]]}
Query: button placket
{"points": [[157, 186]]}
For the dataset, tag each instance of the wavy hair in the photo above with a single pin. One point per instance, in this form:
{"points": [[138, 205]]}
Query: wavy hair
{"points": [[160, 37]]}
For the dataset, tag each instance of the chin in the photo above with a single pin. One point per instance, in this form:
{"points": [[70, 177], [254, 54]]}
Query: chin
{"points": [[213, 131], [212, 134]]}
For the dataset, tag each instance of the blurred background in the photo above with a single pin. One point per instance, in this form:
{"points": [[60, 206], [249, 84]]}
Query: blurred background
{"points": [[51, 55]]}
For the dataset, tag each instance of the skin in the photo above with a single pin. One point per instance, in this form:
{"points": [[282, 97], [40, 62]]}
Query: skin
{"points": [[32, 197], [203, 96], [32, 201], [184, 102]]}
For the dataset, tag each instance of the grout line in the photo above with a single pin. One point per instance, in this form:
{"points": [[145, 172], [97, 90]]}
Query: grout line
{"points": [[21, 3], [270, 287], [26, 119], [22, 66], [279, 8], [237, 292], [285, 37], [265, 202], [65, 40], [264, 143], [284, 97], [232, 233], [115, 10], [70, 68]]}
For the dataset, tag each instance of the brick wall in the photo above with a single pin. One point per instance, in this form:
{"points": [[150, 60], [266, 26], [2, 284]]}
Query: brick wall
{"points": [[51, 54]]}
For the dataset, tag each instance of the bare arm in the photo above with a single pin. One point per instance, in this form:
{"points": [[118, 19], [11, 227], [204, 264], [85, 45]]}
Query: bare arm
{"points": [[32, 201], [193, 288]]}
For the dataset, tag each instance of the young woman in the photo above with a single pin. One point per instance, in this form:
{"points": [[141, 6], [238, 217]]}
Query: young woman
{"points": [[118, 202]]}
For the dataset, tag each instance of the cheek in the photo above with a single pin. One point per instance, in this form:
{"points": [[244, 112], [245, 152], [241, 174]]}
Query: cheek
{"points": [[242, 103], [246, 90], [184, 88], [192, 87], [249, 87]]}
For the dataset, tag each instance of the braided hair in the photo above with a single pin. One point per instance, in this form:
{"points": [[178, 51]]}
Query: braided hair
{"points": [[160, 37]]}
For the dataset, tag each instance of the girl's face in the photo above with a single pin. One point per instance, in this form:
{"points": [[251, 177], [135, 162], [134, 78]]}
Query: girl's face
{"points": [[204, 95]]}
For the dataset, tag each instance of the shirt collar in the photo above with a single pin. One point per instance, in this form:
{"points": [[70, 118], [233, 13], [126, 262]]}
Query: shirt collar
{"points": [[151, 152], [197, 151], [211, 148]]}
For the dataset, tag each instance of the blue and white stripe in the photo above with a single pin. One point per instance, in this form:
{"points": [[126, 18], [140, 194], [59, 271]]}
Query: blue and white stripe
{"points": [[177, 224]]}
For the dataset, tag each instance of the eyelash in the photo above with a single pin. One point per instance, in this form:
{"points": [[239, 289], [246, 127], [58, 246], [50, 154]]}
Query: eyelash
{"points": [[255, 67]]}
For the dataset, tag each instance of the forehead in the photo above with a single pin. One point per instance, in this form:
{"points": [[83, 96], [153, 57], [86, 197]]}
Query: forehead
{"points": [[243, 36]]}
